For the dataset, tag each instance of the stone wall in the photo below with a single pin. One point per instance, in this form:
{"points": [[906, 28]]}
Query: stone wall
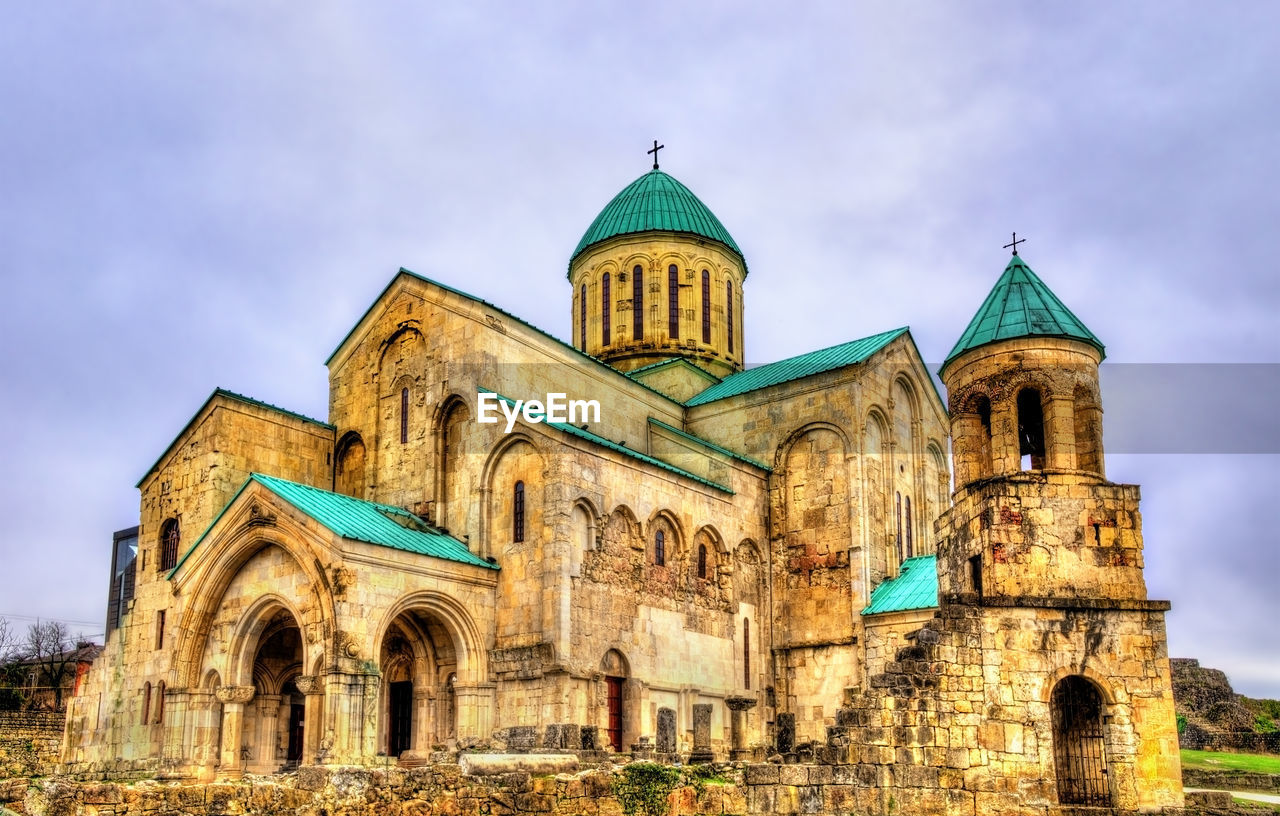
{"points": [[444, 789], [30, 742]]}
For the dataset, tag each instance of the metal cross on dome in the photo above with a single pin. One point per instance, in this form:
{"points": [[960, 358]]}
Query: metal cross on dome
{"points": [[656, 148], [1015, 243]]}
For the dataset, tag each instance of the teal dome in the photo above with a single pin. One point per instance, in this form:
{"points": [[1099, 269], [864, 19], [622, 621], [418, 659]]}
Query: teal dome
{"points": [[656, 202]]}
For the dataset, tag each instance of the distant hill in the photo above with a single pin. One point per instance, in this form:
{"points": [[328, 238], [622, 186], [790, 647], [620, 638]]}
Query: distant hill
{"points": [[1212, 716]]}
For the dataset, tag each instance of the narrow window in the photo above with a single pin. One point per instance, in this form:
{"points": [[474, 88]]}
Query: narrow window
{"points": [[702, 560], [604, 309], [975, 575], [637, 302], [146, 702], [582, 316], [660, 549], [168, 545], [673, 303], [910, 542], [404, 415], [517, 514], [160, 629], [746, 653], [160, 702], [706, 306], [728, 311], [898, 516], [1030, 429]]}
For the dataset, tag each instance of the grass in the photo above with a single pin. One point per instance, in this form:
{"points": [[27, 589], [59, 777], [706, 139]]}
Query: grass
{"points": [[1220, 761], [1262, 807]]}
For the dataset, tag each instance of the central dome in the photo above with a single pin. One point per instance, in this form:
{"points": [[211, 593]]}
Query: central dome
{"points": [[656, 202]]}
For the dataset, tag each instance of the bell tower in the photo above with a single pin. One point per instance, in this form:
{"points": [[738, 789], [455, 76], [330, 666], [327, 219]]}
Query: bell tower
{"points": [[1041, 558], [657, 276]]}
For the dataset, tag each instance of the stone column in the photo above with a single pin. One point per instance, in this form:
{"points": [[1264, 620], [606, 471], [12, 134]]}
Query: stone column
{"points": [[311, 686], [738, 726], [233, 699], [264, 755], [475, 705], [1060, 433], [701, 734]]}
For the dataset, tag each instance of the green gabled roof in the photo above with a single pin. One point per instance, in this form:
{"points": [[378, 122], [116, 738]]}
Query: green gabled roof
{"points": [[358, 520], [1021, 305], [656, 202], [231, 395], [670, 361], [793, 368], [916, 587], [574, 430], [708, 444]]}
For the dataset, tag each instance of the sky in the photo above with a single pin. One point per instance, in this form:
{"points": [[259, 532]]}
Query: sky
{"points": [[210, 194]]}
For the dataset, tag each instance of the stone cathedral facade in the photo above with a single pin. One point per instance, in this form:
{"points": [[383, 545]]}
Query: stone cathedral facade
{"points": [[671, 555]]}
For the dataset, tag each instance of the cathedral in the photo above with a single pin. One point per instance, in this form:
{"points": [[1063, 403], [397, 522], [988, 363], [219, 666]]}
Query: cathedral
{"points": [[627, 542]]}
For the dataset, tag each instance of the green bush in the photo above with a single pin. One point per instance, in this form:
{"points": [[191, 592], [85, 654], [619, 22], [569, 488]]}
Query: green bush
{"points": [[1182, 723], [642, 788]]}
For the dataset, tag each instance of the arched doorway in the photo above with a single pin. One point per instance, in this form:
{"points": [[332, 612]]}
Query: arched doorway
{"points": [[274, 723], [417, 659], [1079, 745], [614, 667]]}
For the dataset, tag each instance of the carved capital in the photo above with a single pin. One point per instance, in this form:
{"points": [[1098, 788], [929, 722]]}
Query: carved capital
{"points": [[740, 703], [308, 683], [234, 694]]}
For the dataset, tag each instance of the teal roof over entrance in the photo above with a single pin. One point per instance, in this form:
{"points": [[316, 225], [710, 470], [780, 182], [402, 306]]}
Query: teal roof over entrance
{"points": [[359, 520], [1021, 305], [656, 202]]}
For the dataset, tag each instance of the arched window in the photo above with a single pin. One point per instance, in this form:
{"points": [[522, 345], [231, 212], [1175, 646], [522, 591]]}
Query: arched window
{"points": [[1030, 429], [517, 513], [702, 560], [160, 702], [146, 702], [637, 302], [169, 536], [673, 303], [746, 653], [706, 306], [604, 309], [660, 548], [582, 316], [910, 542], [1079, 745], [404, 415], [728, 311]]}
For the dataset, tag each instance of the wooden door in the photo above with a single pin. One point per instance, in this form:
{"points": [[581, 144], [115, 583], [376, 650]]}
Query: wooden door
{"points": [[297, 720], [615, 711], [399, 734]]}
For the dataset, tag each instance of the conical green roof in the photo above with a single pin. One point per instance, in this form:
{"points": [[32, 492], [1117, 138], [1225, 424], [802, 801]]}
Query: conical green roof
{"points": [[656, 201], [1021, 305]]}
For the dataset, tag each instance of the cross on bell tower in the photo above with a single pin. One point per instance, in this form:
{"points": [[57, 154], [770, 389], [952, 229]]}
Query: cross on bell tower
{"points": [[1013, 244]]}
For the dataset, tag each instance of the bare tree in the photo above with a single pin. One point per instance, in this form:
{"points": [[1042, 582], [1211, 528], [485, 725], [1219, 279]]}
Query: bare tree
{"points": [[52, 652], [11, 697]]}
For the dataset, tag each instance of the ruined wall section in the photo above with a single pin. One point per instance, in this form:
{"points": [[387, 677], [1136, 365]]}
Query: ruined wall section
{"points": [[961, 722], [1042, 534], [850, 452]]}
